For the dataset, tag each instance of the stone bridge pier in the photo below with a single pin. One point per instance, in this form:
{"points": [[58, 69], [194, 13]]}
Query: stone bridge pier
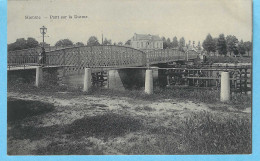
{"points": [[129, 78]]}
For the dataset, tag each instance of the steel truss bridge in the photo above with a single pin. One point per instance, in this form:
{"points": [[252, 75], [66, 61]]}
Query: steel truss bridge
{"points": [[77, 58]]}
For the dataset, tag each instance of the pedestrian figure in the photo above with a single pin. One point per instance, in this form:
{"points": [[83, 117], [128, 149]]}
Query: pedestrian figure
{"points": [[42, 58]]}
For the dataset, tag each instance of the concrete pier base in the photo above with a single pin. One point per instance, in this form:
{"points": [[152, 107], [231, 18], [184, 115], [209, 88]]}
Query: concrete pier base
{"points": [[39, 76], [225, 87], [114, 80], [87, 80], [149, 81]]}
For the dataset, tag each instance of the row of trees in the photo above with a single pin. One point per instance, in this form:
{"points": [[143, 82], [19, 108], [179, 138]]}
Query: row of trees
{"points": [[167, 43], [181, 44], [224, 45], [22, 43], [92, 41]]}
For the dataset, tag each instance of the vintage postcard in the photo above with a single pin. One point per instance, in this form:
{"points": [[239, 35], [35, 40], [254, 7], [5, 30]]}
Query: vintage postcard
{"points": [[133, 77]]}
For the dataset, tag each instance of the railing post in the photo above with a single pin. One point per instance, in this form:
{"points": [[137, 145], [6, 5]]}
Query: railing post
{"points": [[225, 87]]}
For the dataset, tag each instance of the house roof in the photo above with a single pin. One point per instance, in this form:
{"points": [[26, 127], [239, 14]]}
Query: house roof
{"points": [[147, 37]]}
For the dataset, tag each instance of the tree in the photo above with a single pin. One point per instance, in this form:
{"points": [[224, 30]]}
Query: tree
{"points": [[188, 46], [128, 42], [248, 46], [232, 43], [43, 43], [107, 42], [168, 42], [199, 46], [31, 42], [120, 43], [209, 44], [93, 41], [221, 45], [63, 43], [165, 45], [181, 44], [175, 42], [79, 44], [21, 43], [215, 40], [241, 48]]}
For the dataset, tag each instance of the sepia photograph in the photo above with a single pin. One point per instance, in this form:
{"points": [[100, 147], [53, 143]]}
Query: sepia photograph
{"points": [[132, 77]]}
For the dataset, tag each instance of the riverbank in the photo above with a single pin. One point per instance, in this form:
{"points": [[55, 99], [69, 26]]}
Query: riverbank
{"points": [[62, 122]]}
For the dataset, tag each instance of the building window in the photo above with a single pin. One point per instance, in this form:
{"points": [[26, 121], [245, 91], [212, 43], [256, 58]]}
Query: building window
{"points": [[137, 44]]}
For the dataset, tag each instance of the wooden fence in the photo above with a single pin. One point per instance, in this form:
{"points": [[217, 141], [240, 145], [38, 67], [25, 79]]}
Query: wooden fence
{"points": [[240, 77]]}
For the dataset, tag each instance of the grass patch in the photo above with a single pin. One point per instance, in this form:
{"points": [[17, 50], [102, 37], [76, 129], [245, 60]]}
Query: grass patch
{"points": [[107, 125], [241, 101], [34, 133], [19, 109], [70, 148], [207, 133], [124, 106], [144, 108], [198, 133]]}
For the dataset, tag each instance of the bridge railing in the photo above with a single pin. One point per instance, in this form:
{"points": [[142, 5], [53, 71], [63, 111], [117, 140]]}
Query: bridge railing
{"points": [[29, 60], [97, 56], [167, 55], [20, 57]]}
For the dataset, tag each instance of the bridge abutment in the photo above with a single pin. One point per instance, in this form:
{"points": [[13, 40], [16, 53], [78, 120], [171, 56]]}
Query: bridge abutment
{"points": [[115, 81], [122, 79]]}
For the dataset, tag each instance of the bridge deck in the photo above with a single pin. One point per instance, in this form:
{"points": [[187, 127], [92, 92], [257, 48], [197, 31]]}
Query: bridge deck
{"points": [[32, 67]]}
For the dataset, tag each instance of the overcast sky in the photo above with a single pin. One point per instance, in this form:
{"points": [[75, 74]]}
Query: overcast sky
{"points": [[120, 19]]}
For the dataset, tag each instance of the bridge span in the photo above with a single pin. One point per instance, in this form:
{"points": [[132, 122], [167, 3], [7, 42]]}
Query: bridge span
{"points": [[75, 59], [124, 66]]}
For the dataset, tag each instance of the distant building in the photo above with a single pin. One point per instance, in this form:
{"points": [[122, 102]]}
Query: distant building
{"points": [[146, 42]]}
